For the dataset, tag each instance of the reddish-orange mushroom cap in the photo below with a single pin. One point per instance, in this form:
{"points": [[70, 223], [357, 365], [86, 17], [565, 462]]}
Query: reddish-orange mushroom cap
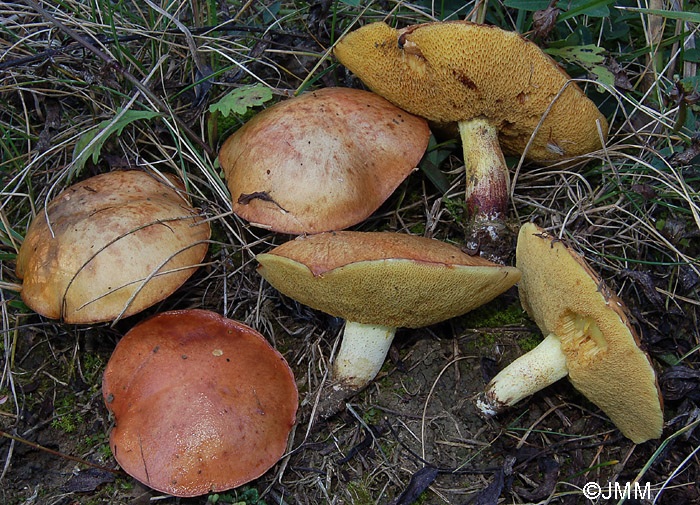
{"points": [[202, 403]]}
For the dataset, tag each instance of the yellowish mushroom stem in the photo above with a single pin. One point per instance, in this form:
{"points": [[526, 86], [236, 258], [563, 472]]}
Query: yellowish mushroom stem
{"points": [[362, 354], [486, 170], [531, 372]]}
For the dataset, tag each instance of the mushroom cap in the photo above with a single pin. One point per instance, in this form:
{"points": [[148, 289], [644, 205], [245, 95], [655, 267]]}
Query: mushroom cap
{"points": [[322, 161], [566, 297], [108, 233], [384, 278], [202, 403], [456, 70]]}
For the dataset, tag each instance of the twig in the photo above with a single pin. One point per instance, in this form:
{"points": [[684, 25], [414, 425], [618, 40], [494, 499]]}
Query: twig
{"points": [[64, 456]]}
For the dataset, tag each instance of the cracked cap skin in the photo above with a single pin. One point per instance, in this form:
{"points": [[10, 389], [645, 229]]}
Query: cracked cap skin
{"points": [[454, 71]]}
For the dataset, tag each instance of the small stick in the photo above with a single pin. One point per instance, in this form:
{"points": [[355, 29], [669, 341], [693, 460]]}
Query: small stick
{"points": [[64, 456]]}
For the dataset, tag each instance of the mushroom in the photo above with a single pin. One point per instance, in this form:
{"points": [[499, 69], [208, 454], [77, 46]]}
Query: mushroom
{"points": [[496, 85], [322, 161], [589, 338], [113, 245], [377, 282], [201, 403]]}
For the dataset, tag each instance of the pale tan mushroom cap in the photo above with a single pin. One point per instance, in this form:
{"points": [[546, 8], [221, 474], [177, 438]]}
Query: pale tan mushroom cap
{"points": [[455, 71], [565, 297], [110, 232], [322, 161], [201, 403], [384, 278]]}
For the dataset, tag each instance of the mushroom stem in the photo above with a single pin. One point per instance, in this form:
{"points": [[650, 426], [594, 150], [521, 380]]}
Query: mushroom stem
{"points": [[531, 372], [486, 171], [362, 353]]}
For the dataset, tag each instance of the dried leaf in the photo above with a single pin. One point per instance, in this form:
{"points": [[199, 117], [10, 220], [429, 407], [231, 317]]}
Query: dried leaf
{"points": [[543, 21], [621, 79], [678, 381], [490, 494], [550, 470], [419, 482], [646, 282], [645, 190], [679, 159]]}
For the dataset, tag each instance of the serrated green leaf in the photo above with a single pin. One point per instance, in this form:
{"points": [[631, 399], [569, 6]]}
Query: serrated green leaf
{"points": [[584, 55], [242, 99], [83, 150], [604, 76]]}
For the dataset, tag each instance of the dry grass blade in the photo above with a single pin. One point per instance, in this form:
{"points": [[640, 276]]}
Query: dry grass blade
{"points": [[633, 209]]}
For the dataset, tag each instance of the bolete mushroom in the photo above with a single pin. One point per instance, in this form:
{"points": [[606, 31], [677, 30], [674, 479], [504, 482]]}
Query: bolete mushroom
{"points": [[322, 161], [201, 403], [589, 338], [495, 85], [113, 245], [378, 281]]}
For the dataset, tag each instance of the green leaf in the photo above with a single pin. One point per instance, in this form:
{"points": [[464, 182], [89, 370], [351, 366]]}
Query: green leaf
{"points": [[527, 5], [583, 55], [242, 99], [693, 17], [593, 8], [571, 8], [431, 162], [603, 75], [81, 151], [589, 57]]}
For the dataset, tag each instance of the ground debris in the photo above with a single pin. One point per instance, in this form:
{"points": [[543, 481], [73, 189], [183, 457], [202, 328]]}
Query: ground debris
{"points": [[86, 481], [419, 482]]}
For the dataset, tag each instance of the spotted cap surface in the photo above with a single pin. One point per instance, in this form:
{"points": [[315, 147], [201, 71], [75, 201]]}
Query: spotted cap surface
{"points": [[322, 161]]}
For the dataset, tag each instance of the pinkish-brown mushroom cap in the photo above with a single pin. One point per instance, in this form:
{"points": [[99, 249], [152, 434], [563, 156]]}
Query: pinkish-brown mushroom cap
{"points": [[202, 403], [322, 161], [120, 241]]}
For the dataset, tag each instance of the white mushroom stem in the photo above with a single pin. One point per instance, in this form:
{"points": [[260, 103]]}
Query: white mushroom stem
{"points": [[362, 353], [531, 372], [486, 170]]}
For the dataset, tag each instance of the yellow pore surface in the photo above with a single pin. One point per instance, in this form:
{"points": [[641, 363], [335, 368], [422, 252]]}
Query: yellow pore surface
{"points": [[455, 71], [384, 278], [565, 297]]}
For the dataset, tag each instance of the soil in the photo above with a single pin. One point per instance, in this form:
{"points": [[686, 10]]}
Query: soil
{"points": [[418, 414]]}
